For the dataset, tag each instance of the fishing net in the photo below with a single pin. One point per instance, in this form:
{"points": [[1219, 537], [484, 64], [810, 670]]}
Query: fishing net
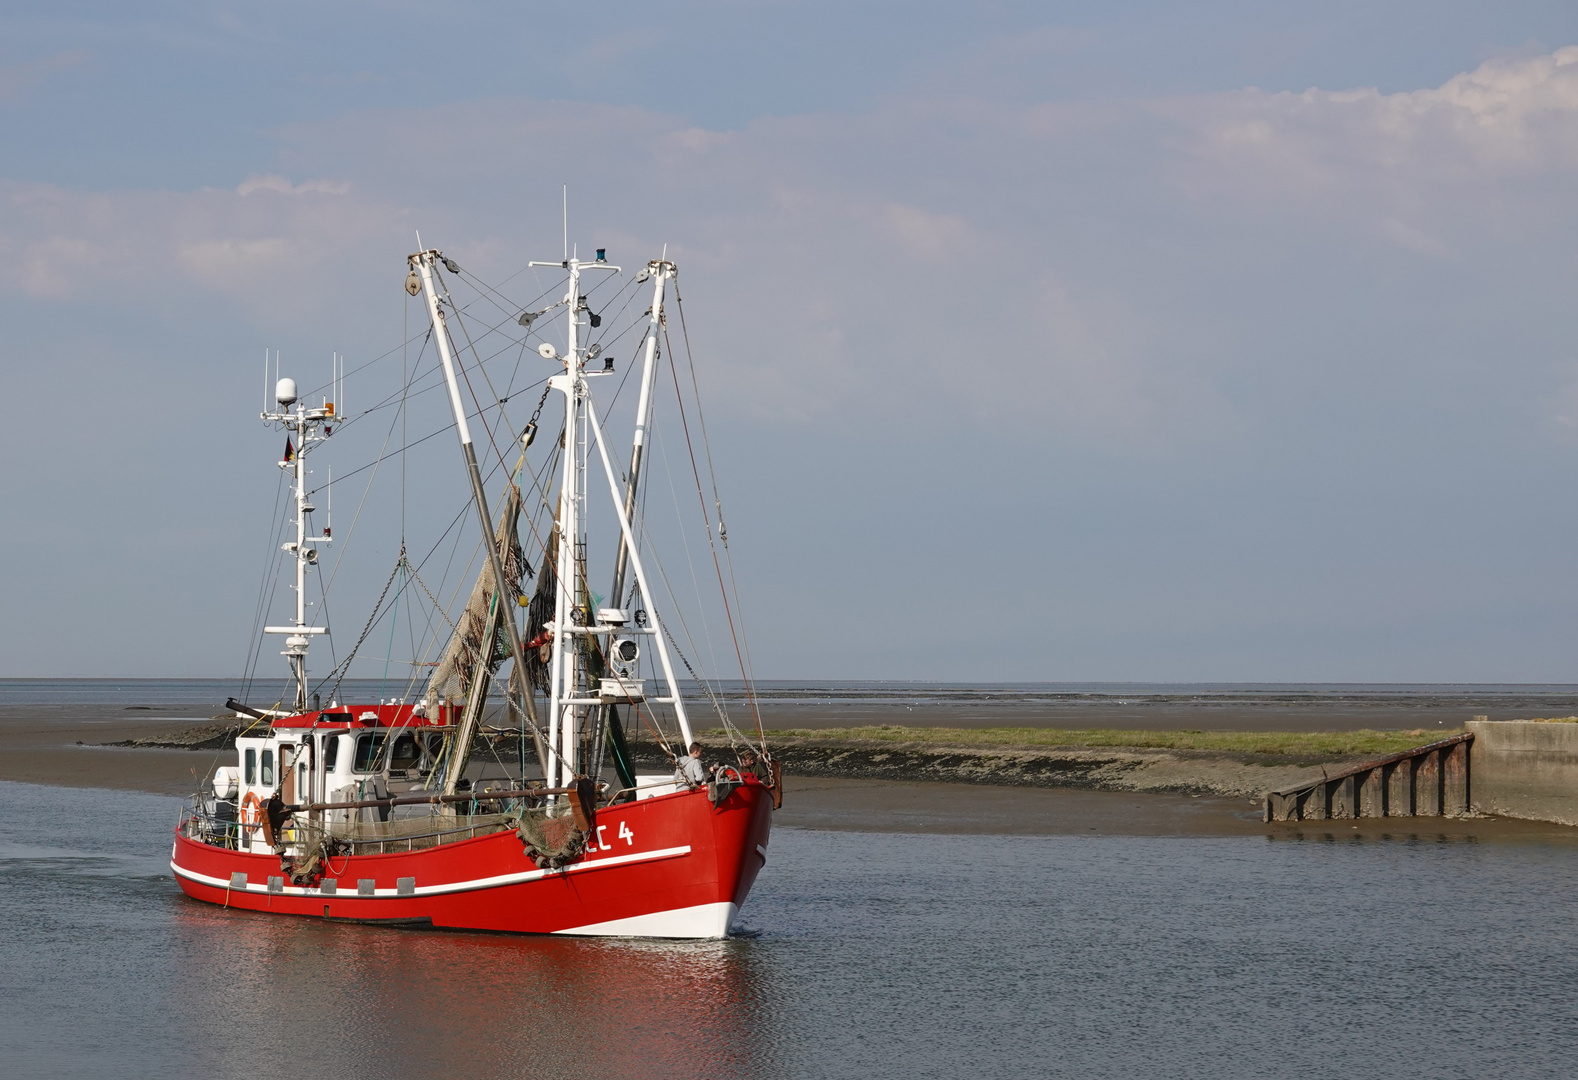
{"points": [[550, 841], [540, 612], [477, 629]]}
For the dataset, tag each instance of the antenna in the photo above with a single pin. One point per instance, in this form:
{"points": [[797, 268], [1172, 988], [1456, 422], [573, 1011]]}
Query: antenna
{"points": [[566, 223], [265, 379]]}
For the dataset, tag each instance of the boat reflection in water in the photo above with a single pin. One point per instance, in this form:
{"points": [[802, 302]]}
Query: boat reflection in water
{"points": [[347, 1000]]}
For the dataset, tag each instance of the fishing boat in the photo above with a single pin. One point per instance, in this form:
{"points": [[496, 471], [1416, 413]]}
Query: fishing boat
{"points": [[384, 811]]}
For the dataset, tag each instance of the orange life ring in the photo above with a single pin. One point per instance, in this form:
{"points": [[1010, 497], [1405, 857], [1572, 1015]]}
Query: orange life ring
{"points": [[251, 809]]}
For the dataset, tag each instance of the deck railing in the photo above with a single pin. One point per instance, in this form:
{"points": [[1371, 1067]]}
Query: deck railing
{"points": [[200, 824]]}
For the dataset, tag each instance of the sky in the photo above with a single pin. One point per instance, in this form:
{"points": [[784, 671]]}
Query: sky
{"points": [[1076, 342]]}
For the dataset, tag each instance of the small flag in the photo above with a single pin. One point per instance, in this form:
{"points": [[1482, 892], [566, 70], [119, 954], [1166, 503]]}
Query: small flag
{"points": [[290, 451]]}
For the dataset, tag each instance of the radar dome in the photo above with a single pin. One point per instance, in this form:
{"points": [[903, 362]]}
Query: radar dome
{"points": [[285, 391]]}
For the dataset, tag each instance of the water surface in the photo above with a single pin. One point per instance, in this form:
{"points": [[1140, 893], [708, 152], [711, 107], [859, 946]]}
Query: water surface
{"points": [[862, 955]]}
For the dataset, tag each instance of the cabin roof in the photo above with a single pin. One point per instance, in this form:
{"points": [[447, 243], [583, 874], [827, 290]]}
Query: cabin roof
{"points": [[363, 716]]}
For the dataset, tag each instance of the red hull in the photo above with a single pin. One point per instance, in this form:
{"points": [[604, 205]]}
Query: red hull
{"points": [[669, 866]]}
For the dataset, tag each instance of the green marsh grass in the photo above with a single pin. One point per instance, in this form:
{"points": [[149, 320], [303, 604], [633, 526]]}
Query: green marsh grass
{"points": [[1301, 743]]}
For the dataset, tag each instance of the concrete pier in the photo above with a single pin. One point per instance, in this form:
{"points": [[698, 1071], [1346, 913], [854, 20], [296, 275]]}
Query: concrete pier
{"points": [[1525, 770]]}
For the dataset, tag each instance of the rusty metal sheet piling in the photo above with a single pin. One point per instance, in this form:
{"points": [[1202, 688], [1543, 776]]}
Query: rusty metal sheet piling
{"points": [[1372, 794], [1454, 780], [1427, 781], [1427, 786], [1400, 789], [1345, 797]]}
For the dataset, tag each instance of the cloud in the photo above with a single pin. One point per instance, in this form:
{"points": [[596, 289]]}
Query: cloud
{"points": [[921, 259], [278, 185], [131, 243], [614, 48], [923, 233], [1416, 240], [17, 79], [1213, 360], [1508, 117]]}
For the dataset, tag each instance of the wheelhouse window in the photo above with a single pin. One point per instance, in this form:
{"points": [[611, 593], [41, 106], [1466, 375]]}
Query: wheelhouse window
{"points": [[331, 752], [252, 766], [367, 747], [405, 753], [268, 768]]}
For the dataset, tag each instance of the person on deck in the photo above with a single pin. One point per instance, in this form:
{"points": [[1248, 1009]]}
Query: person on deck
{"points": [[751, 764], [691, 770]]}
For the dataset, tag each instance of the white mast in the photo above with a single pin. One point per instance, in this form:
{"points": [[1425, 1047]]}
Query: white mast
{"points": [[423, 263], [570, 694], [309, 428], [564, 666], [660, 272]]}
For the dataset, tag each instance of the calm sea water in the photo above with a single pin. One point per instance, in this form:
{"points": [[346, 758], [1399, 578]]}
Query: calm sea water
{"points": [[863, 956]]}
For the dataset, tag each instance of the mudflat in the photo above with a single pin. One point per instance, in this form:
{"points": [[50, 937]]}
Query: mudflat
{"points": [[901, 807], [1348, 709], [66, 746]]}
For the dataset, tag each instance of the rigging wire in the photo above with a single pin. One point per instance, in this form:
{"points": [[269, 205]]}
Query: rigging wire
{"points": [[412, 381], [260, 609], [750, 694], [375, 464], [690, 562], [712, 475], [677, 609]]}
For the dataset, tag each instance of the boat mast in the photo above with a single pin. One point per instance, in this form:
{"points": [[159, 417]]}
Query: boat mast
{"points": [[423, 262], [310, 427], [562, 667], [661, 272]]}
